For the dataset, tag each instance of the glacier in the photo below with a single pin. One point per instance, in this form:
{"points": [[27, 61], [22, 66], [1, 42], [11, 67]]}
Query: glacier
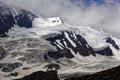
{"points": [[71, 64], [30, 42]]}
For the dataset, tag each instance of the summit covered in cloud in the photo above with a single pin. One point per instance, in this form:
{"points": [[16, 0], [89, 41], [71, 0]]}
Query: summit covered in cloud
{"points": [[100, 13], [45, 35]]}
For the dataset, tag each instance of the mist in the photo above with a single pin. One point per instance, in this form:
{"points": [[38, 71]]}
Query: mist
{"points": [[105, 16]]}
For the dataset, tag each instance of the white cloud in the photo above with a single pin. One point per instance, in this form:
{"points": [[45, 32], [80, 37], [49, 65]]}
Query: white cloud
{"points": [[105, 16]]}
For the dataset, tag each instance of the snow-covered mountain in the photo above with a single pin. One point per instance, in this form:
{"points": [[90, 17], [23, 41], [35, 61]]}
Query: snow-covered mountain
{"points": [[11, 16], [29, 42]]}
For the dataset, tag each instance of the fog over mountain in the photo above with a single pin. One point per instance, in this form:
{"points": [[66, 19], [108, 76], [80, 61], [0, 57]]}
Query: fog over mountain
{"points": [[52, 39], [100, 13]]}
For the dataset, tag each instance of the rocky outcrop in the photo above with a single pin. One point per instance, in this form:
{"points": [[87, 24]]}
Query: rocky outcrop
{"points": [[3, 53], [68, 43], [10, 16], [112, 42], [8, 67], [31, 50], [52, 66], [40, 75], [111, 74]]}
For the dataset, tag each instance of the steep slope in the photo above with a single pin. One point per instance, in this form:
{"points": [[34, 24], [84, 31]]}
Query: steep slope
{"points": [[28, 43], [111, 74], [69, 46], [11, 16]]}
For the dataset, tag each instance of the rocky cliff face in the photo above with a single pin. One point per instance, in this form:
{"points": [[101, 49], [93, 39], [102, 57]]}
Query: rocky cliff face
{"points": [[11, 16], [2, 53], [69, 44], [28, 44]]}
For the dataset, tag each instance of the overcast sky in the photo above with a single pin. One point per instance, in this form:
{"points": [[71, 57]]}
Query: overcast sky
{"points": [[101, 13]]}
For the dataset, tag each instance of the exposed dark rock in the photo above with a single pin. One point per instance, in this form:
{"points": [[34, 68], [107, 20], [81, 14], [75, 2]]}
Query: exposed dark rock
{"points": [[107, 52], [40, 75], [8, 67], [111, 41], [26, 68], [111, 74], [52, 66], [2, 53], [14, 74], [82, 47], [10, 16], [24, 19], [55, 54]]}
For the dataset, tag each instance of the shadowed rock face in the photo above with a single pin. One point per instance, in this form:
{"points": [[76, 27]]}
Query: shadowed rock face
{"points": [[13, 16], [8, 67], [66, 48], [2, 53], [111, 74], [52, 66], [112, 42], [40, 75]]}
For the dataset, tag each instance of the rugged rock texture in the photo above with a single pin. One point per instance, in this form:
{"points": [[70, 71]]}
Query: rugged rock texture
{"points": [[8, 67], [40, 75], [112, 42], [31, 50], [2, 53], [65, 47], [68, 43], [111, 74], [10, 16]]}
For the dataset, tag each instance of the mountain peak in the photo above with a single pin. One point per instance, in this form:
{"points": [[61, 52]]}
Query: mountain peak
{"points": [[32, 42], [47, 21]]}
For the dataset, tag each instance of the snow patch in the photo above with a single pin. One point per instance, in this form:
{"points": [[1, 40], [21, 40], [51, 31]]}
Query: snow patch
{"points": [[47, 21]]}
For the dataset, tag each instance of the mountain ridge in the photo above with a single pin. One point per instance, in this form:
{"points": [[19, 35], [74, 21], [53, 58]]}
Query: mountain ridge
{"points": [[29, 43]]}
